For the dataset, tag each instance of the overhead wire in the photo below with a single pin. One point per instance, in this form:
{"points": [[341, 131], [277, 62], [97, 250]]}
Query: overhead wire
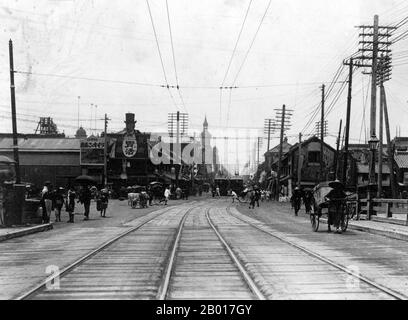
{"points": [[174, 57], [160, 54], [247, 52], [252, 42], [327, 94], [230, 61]]}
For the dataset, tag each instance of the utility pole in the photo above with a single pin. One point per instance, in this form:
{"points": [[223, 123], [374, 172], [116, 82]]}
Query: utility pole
{"points": [[373, 97], [259, 145], [269, 125], [384, 74], [282, 115], [280, 151], [105, 153], [373, 46], [13, 114], [389, 146], [79, 98], [175, 151], [336, 158], [226, 155], [380, 145], [347, 131], [236, 154], [374, 77], [178, 149], [322, 136], [299, 171]]}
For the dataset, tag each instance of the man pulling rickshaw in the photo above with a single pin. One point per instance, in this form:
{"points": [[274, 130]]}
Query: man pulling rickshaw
{"points": [[330, 195], [336, 203]]}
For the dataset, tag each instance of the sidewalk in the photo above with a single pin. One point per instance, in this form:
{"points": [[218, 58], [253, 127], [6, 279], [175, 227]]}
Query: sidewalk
{"points": [[24, 261], [390, 230], [113, 218], [379, 227], [9, 233]]}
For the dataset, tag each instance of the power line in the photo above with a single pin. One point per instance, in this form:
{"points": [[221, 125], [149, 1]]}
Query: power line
{"points": [[236, 43], [174, 57], [167, 86], [330, 89], [230, 61], [90, 79], [160, 55], [252, 42]]}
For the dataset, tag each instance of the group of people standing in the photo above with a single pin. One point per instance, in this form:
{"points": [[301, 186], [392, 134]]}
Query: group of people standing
{"points": [[296, 200], [56, 199], [254, 195]]}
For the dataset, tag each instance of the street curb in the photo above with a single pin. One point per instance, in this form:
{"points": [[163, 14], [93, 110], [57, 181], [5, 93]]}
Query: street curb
{"points": [[31, 230], [389, 234]]}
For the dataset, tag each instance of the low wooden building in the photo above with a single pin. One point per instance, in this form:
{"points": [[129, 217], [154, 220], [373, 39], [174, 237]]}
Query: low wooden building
{"points": [[43, 158]]}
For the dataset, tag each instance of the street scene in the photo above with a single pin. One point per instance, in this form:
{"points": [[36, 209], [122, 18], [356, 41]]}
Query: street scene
{"points": [[218, 150]]}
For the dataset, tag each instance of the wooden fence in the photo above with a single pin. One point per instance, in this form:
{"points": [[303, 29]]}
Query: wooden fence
{"points": [[391, 208]]}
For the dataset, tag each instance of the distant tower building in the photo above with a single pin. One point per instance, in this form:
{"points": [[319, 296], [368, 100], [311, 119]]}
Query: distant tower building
{"points": [[205, 147], [81, 133]]}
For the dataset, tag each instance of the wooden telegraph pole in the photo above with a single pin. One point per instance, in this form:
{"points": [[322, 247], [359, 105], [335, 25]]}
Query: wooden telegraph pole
{"points": [[347, 131], [282, 115], [105, 153], [389, 146], [177, 167], [322, 136], [380, 144], [299, 172], [336, 158], [13, 114], [282, 130]]}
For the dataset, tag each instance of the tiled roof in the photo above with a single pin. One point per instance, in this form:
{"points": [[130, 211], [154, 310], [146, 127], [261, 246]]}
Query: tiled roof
{"points": [[42, 144], [401, 160]]}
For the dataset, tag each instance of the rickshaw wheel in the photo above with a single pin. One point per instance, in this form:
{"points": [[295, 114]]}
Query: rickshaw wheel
{"points": [[314, 219], [344, 221]]}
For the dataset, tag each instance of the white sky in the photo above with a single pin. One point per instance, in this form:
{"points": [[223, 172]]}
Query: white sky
{"points": [[299, 46]]}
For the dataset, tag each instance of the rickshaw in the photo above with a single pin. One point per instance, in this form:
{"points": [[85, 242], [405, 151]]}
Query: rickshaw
{"points": [[320, 202]]}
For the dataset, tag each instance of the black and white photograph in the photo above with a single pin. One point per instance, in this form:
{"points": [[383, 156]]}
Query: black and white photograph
{"points": [[202, 155]]}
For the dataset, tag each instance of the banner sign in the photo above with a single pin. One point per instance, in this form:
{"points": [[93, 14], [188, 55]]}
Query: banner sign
{"points": [[131, 146], [92, 151]]}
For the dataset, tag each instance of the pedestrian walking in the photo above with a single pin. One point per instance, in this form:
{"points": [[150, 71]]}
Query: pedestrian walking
{"points": [[167, 194], [217, 191], [296, 200], [150, 195], [58, 202], [85, 198], [103, 200], [251, 195], [257, 196], [308, 201], [46, 202], [70, 204], [234, 196]]}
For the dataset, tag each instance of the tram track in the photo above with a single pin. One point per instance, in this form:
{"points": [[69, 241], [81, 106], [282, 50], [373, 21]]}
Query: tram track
{"points": [[41, 289], [203, 265], [266, 230], [170, 255], [204, 252]]}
